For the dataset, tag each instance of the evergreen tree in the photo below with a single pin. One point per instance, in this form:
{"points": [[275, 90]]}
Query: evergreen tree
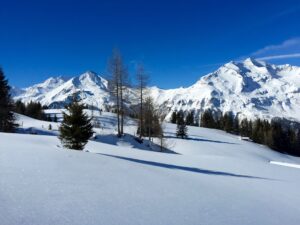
{"points": [[179, 116], [292, 141], [265, 132], [48, 118], [236, 125], [279, 137], [257, 131], [297, 144], [181, 126], [76, 128], [142, 81], [250, 128], [207, 119], [45, 107], [228, 123], [220, 122], [174, 117], [190, 119], [20, 107], [7, 119], [244, 128], [35, 110]]}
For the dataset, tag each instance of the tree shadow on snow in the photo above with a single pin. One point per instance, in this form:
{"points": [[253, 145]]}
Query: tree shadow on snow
{"points": [[204, 140], [130, 141], [184, 168], [36, 131]]}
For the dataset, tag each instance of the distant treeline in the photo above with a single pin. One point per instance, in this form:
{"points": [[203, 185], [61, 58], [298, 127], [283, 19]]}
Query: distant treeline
{"points": [[280, 135], [34, 110], [189, 119]]}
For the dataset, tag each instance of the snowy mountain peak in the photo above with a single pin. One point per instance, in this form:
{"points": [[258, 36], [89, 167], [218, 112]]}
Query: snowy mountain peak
{"points": [[88, 75], [253, 62], [250, 88], [91, 78], [53, 81]]}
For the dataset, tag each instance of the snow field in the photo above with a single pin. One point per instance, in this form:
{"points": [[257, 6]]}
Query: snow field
{"points": [[214, 178]]}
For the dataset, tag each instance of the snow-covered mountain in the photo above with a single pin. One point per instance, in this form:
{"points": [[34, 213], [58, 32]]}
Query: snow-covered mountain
{"points": [[250, 89], [57, 92], [39, 91]]}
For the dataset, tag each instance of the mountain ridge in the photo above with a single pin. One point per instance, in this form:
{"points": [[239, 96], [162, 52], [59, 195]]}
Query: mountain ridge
{"points": [[251, 89]]}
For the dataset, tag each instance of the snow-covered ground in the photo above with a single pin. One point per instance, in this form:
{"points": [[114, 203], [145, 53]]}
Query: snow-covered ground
{"points": [[214, 179]]}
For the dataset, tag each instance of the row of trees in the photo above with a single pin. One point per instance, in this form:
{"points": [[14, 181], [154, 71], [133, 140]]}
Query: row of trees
{"points": [[149, 122], [276, 134], [189, 119], [32, 109], [182, 122]]}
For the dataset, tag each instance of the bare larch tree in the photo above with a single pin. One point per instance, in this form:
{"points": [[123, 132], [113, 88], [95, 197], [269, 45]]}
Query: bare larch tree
{"points": [[124, 87], [142, 81], [118, 82]]}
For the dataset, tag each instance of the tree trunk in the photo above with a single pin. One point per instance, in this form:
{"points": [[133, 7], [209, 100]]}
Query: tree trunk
{"points": [[118, 110], [141, 111], [122, 110]]}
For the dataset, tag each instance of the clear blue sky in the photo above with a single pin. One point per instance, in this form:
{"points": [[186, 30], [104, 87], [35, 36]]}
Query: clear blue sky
{"points": [[178, 41]]}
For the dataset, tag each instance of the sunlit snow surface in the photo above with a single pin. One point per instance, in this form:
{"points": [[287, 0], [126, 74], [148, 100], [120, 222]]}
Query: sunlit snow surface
{"points": [[214, 179], [286, 164]]}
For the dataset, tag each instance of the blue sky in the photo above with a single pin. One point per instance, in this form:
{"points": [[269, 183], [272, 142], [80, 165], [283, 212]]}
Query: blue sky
{"points": [[178, 41]]}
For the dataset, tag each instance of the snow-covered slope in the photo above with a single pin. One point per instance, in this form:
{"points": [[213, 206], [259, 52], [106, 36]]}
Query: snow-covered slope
{"points": [[250, 88], [215, 179]]}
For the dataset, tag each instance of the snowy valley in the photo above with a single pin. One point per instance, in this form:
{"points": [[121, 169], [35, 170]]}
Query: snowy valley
{"points": [[123, 177], [149, 112]]}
